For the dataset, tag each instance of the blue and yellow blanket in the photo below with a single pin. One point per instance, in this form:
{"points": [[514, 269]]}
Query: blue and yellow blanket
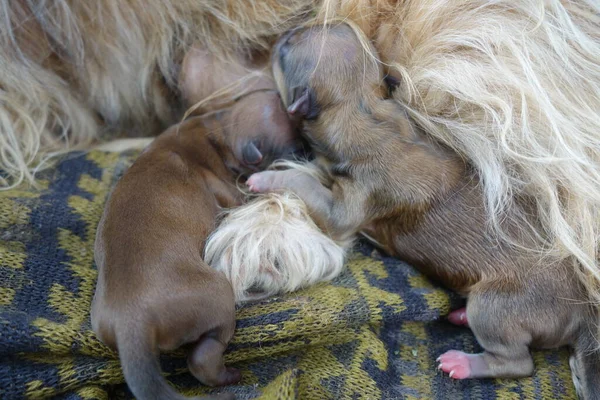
{"points": [[373, 333]]}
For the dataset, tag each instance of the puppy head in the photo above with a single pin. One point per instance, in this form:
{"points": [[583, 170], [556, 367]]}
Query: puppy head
{"points": [[209, 83], [242, 93], [259, 131], [320, 67]]}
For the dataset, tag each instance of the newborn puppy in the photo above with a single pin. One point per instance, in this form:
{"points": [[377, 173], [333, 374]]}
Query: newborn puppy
{"points": [[211, 84], [204, 76], [421, 202], [154, 290]]}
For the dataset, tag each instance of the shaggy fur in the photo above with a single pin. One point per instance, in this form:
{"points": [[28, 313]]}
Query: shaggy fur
{"points": [[424, 204], [75, 71], [511, 85], [271, 245]]}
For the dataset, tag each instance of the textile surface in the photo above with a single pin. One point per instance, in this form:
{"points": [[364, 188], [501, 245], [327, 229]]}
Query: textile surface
{"points": [[372, 333]]}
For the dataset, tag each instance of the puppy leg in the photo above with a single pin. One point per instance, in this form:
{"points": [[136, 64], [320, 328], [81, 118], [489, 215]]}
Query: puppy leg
{"points": [[499, 329], [207, 365], [307, 187], [340, 211]]}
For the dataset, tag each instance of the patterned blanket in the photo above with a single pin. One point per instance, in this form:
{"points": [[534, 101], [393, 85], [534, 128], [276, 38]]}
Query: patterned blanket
{"points": [[373, 333]]}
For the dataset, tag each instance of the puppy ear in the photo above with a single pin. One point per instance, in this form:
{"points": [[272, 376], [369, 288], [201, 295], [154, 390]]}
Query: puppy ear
{"points": [[303, 104]]}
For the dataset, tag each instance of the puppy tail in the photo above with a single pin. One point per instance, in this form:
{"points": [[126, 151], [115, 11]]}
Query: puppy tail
{"points": [[585, 365], [139, 359]]}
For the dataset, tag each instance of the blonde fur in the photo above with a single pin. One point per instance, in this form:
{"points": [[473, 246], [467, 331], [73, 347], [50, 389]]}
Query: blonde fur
{"points": [[121, 145], [75, 71], [514, 88], [271, 246]]}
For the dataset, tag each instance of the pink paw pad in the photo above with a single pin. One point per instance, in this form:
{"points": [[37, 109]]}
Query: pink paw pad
{"points": [[455, 364], [459, 317]]}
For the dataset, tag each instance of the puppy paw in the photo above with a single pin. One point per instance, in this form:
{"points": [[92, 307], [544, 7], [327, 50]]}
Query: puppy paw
{"points": [[230, 376], [261, 182], [456, 364], [459, 317]]}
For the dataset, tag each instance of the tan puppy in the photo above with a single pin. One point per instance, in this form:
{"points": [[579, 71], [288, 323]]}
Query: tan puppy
{"points": [[154, 290], [422, 203]]}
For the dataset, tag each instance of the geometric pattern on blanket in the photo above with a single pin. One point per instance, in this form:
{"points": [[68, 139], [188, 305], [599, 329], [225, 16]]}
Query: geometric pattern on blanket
{"points": [[372, 333]]}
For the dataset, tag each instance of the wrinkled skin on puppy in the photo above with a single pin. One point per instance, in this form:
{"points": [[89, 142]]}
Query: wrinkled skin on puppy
{"points": [[421, 202], [260, 130]]}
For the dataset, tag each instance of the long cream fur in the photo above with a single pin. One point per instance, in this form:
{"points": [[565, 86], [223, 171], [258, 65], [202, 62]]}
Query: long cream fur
{"points": [[271, 246], [512, 85], [76, 71]]}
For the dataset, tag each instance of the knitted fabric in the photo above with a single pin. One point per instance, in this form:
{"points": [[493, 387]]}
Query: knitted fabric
{"points": [[372, 333]]}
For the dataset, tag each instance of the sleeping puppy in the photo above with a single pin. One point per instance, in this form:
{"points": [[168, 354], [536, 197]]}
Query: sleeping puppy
{"points": [[213, 81], [208, 84], [419, 201], [154, 290]]}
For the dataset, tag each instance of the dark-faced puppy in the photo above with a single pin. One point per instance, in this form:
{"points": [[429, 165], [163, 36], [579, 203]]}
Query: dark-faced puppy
{"points": [[421, 202], [154, 290]]}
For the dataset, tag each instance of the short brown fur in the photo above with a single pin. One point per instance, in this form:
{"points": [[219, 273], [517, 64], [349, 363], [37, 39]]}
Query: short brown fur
{"points": [[155, 292]]}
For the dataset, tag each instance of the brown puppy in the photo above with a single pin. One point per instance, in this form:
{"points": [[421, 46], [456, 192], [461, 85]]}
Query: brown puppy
{"points": [[231, 77], [208, 83], [422, 203], [154, 290]]}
